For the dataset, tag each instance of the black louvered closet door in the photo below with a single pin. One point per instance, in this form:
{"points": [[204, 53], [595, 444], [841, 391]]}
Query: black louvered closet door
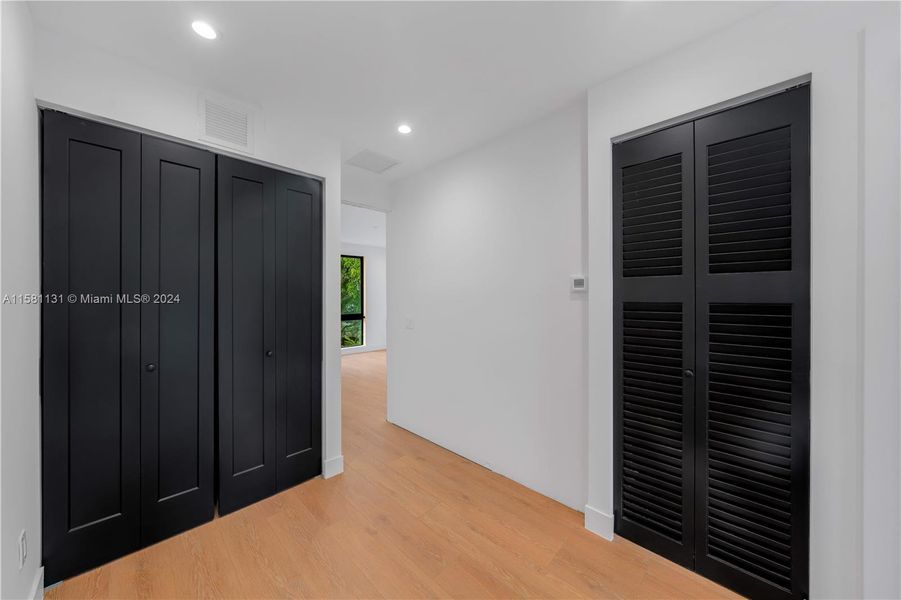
{"points": [[753, 314], [711, 232], [653, 240]]}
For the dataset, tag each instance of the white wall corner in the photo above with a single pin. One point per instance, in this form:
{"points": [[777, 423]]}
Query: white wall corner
{"points": [[332, 466], [598, 522], [37, 588]]}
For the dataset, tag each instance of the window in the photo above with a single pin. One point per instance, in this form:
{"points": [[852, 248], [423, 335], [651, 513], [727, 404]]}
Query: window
{"points": [[351, 301]]}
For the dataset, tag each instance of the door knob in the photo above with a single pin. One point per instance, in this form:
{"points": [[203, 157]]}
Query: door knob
{"points": [[268, 352], [151, 367], [689, 373]]}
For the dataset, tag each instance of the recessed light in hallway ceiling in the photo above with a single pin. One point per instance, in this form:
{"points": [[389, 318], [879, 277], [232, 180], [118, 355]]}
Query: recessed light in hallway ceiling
{"points": [[204, 30]]}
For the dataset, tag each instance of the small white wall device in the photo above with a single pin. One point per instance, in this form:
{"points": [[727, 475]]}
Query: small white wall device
{"points": [[578, 283]]}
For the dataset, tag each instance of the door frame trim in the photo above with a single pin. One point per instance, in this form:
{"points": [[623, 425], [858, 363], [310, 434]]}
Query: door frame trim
{"points": [[707, 111], [74, 112]]}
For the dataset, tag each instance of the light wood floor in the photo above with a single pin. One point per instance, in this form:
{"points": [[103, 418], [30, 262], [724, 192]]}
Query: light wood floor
{"points": [[407, 519]]}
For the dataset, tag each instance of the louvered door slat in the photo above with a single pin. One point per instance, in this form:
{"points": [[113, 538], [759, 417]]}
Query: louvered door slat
{"points": [[660, 460], [757, 529]]}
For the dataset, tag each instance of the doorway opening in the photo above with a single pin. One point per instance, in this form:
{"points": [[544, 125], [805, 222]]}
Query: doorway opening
{"points": [[363, 315]]}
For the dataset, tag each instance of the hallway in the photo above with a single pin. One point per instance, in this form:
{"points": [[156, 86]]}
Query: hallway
{"points": [[407, 519]]}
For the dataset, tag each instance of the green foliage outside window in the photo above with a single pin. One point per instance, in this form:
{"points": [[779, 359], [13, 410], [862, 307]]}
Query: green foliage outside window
{"points": [[351, 333], [351, 285], [351, 301]]}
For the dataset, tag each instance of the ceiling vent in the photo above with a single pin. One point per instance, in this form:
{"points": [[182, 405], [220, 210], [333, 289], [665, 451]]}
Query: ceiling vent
{"points": [[226, 123], [372, 161]]}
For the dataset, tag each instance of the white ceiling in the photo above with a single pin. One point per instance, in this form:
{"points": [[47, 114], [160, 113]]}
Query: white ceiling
{"points": [[362, 226], [460, 73]]}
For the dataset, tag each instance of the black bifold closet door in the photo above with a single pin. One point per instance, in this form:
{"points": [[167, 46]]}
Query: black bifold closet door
{"points": [[711, 344], [129, 332], [269, 331], [127, 380]]}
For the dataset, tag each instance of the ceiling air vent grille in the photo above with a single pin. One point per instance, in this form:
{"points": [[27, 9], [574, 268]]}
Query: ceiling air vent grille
{"points": [[226, 123], [749, 504], [652, 218], [372, 161], [652, 417], [749, 203]]}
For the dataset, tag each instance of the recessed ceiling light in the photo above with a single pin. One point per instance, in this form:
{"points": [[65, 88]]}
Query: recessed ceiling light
{"points": [[404, 129], [204, 30]]}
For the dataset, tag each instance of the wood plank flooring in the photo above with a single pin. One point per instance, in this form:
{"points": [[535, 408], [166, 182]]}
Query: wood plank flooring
{"points": [[407, 519]]}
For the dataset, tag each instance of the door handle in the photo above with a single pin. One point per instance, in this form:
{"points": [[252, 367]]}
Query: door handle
{"points": [[151, 367], [268, 352], [688, 373]]}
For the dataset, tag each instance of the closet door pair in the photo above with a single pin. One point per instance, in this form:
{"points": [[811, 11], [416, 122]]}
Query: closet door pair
{"points": [[127, 381], [270, 349], [711, 344]]}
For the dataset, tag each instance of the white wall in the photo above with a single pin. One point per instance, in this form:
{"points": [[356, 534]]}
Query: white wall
{"points": [[20, 456], [481, 248], [879, 294], [375, 296], [362, 226], [851, 50], [364, 189]]}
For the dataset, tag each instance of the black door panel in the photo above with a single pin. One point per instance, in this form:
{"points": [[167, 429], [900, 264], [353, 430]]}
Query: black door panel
{"points": [[90, 345], [299, 328], [247, 305], [178, 196], [753, 340], [653, 262]]}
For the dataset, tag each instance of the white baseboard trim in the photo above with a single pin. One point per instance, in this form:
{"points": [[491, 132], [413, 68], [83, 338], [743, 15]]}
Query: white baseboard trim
{"points": [[333, 466], [598, 522], [37, 588], [359, 349]]}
